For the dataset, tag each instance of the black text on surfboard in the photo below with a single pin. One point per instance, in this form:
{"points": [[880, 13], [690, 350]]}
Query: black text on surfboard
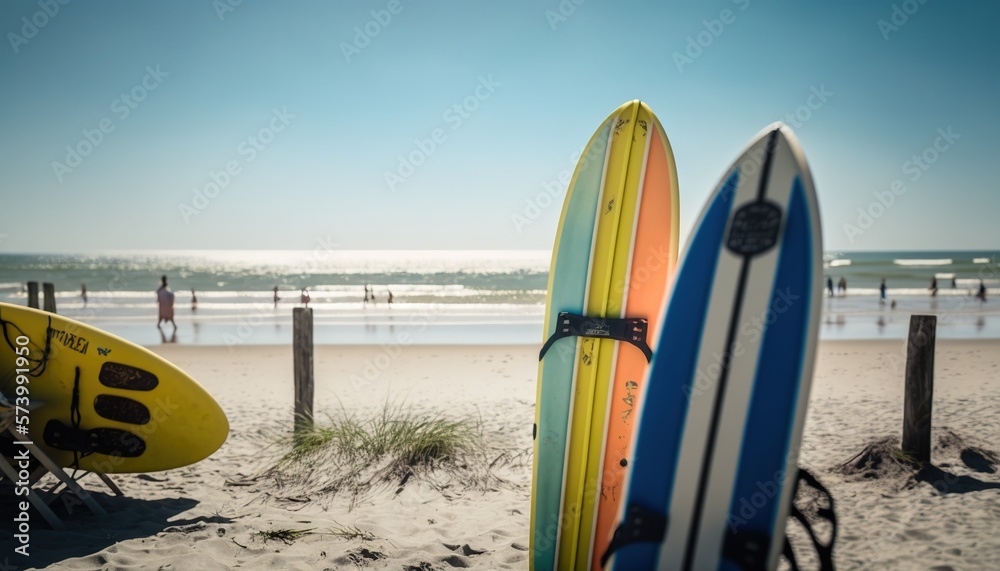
{"points": [[70, 340]]}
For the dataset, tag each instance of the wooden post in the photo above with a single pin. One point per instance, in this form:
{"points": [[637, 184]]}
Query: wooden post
{"points": [[33, 295], [302, 348], [919, 389], [49, 301]]}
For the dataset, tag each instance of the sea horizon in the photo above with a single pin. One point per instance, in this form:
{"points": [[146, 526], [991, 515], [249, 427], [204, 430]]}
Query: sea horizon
{"points": [[443, 296]]}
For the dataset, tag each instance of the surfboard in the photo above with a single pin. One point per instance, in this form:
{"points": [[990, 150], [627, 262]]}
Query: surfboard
{"points": [[106, 404], [615, 250], [725, 401]]}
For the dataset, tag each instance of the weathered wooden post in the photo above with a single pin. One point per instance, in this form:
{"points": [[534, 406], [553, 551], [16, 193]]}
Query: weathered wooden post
{"points": [[302, 348], [919, 388], [33, 295], [49, 301]]}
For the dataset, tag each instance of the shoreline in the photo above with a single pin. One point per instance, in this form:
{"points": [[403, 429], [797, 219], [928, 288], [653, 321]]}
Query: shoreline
{"points": [[471, 330]]}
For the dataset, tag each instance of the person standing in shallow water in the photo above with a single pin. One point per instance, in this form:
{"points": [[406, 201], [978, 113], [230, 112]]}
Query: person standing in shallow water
{"points": [[829, 285], [933, 287], [881, 290], [165, 301], [982, 291]]}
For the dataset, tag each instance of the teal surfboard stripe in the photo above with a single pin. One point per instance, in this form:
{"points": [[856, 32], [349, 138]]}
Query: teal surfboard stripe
{"points": [[569, 288]]}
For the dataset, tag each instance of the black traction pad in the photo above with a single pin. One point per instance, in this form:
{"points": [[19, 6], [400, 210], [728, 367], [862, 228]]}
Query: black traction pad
{"points": [[641, 525], [121, 409], [109, 441], [118, 376]]}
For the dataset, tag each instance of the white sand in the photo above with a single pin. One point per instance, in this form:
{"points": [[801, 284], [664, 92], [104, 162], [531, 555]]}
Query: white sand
{"points": [[190, 519]]}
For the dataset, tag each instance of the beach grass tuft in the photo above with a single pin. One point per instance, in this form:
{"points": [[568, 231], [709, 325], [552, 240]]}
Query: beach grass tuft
{"points": [[398, 434], [285, 535], [354, 453], [350, 532]]}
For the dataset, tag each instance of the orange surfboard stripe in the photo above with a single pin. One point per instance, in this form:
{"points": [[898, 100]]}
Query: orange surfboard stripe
{"points": [[653, 263]]}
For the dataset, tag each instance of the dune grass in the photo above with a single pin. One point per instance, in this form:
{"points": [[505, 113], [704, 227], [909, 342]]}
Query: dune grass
{"points": [[350, 532], [398, 434], [350, 452], [285, 535]]}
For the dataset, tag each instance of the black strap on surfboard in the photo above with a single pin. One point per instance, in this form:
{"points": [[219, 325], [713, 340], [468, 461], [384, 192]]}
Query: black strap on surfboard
{"points": [[746, 548], [749, 549], [629, 330], [641, 525]]}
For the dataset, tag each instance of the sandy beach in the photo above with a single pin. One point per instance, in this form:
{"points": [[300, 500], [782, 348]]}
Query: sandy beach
{"points": [[211, 515]]}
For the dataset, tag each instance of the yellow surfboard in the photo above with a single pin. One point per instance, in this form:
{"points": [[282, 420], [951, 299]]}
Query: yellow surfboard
{"points": [[615, 251], [102, 403]]}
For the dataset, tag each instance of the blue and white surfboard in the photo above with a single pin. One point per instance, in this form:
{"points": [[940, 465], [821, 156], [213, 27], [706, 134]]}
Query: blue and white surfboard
{"points": [[726, 395]]}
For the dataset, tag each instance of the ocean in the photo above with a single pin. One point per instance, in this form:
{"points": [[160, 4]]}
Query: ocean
{"points": [[478, 297]]}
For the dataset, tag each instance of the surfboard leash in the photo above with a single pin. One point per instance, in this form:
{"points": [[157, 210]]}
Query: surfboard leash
{"points": [[38, 366], [75, 417]]}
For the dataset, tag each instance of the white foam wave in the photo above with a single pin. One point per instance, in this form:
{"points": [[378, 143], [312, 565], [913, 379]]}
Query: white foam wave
{"points": [[839, 263], [907, 262], [980, 260]]}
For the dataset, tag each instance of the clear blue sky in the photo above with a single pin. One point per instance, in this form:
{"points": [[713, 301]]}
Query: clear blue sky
{"points": [[545, 81]]}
